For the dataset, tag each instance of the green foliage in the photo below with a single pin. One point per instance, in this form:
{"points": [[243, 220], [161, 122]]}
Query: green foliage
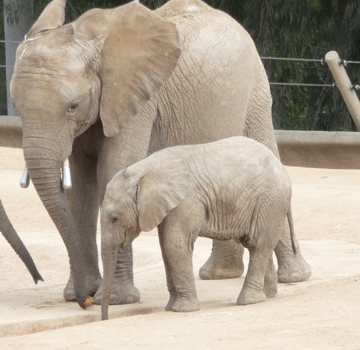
{"points": [[280, 28], [303, 29]]}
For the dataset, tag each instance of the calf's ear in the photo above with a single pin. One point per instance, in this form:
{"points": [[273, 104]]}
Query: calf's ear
{"points": [[161, 190]]}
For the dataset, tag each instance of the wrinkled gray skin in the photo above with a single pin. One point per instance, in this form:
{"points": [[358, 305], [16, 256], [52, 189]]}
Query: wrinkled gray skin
{"points": [[117, 85], [230, 189], [8, 231]]}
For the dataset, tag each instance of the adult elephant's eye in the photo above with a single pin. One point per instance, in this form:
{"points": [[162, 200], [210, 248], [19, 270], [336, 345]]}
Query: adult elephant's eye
{"points": [[73, 107], [114, 218]]}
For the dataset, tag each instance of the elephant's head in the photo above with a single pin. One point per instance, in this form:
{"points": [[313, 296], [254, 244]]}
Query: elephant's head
{"points": [[138, 199], [107, 65]]}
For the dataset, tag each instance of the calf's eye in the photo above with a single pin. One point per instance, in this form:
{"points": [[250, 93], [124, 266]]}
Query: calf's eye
{"points": [[73, 107]]}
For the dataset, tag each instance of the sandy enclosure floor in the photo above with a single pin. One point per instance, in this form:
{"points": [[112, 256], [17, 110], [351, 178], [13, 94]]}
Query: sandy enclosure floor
{"points": [[322, 313]]}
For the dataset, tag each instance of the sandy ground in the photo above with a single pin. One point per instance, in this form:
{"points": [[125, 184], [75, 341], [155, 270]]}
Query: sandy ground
{"points": [[322, 313]]}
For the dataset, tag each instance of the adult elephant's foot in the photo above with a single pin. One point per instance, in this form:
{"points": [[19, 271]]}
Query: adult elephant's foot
{"points": [[292, 268], [121, 293], [123, 290], [92, 285], [225, 261]]}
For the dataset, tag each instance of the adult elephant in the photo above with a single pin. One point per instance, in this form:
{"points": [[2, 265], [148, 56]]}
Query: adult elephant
{"points": [[8, 231], [119, 84]]}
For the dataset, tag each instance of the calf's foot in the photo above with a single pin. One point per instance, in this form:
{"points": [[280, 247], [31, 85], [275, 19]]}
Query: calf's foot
{"points": [[171, 302], [186, 304], [270, 292], [250, 296]]}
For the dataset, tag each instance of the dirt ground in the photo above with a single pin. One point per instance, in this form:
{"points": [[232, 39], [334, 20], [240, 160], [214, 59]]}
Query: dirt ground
{"points": [[322, 313]]}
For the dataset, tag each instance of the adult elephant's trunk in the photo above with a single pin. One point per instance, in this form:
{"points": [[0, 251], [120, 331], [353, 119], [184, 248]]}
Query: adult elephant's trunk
{"points": [[109, 248], [16, 243], [43, 163]]}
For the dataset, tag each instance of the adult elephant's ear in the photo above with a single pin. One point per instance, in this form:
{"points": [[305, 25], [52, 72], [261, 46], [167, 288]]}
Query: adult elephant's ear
{"points": [[52, 17], [139, 53]]}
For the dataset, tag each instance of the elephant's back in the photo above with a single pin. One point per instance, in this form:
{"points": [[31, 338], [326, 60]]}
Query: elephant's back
{"points": [[193, 12], [204, 27], [245, 158], [206, 97]]}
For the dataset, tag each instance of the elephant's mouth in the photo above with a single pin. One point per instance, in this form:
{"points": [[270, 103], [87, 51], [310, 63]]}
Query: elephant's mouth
{"points": [[66, 183], [126, 241], [129, 237]]}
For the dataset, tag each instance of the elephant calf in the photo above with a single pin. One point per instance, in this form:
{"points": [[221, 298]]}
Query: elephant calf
{"points": [[230, 189]]}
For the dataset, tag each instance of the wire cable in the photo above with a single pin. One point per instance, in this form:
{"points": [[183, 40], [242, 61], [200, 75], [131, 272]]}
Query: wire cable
{"points": [[307, 85], [322, 61], [72, 8], [10, 41]]}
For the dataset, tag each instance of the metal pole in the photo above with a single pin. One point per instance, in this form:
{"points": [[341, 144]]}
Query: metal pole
{"points": [[14, 33], [344, 84]]}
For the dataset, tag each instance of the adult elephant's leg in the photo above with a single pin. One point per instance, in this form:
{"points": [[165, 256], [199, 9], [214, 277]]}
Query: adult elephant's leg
{"points": [[84, 203], [123, 290], [119, 152], [225, 261], [291, 268]]}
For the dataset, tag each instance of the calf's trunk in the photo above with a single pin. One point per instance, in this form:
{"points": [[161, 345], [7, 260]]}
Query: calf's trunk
{"points": [[109, 248]]}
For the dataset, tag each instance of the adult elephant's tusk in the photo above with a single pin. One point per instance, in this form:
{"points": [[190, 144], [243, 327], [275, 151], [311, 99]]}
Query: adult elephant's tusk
{"points": [[66, 176], [25, 179]]}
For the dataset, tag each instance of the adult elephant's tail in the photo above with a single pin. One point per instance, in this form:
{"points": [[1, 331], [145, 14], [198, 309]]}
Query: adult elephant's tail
{"points": [[14, 240]]}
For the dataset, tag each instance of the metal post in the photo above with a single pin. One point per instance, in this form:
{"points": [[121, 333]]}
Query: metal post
{"points": [[15, 32], [344, 84]]}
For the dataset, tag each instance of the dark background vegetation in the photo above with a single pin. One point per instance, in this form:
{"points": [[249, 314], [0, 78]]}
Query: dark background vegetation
{"points": [[280, 28]]}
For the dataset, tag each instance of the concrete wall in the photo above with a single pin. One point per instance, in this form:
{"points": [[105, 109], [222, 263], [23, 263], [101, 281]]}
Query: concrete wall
{"points": [[313, 149], [10, 132], [319, 149]]}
